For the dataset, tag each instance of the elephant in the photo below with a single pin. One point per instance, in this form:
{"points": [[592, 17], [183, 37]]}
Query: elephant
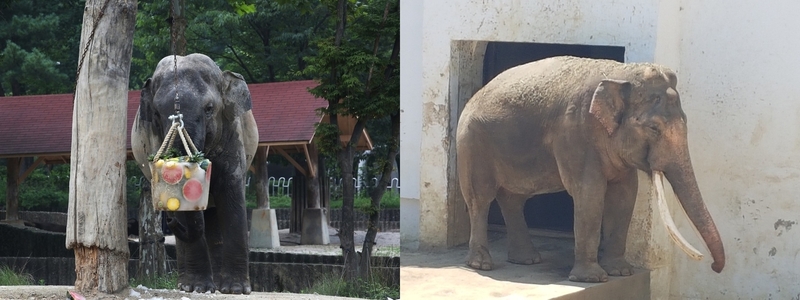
{"points": [[585, 126], [212, 245]]}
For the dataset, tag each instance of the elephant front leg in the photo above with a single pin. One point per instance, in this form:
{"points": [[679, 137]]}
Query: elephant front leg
{"points": [[194, 269], [619, 202], [520, 247], [585, 183], [228, 242]]}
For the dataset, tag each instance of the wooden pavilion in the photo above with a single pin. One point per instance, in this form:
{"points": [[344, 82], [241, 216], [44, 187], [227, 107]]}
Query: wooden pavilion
{"points": [[40, 127]]}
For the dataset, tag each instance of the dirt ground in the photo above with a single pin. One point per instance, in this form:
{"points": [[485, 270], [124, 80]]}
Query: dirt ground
{"points": [[387, 243]]}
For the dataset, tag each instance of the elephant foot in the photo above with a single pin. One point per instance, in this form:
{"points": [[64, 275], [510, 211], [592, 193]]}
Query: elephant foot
{"points": [[524, 257], [617, 267], [197, 284], [479, 258], [235, 285], [588, 272]]}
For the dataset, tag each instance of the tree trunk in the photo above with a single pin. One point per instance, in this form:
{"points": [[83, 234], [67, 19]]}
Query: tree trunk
{"points": [[152, 258], [178, 27], [375, 196], [262, 178], [12, 188], [346, 230], [96, 226]]}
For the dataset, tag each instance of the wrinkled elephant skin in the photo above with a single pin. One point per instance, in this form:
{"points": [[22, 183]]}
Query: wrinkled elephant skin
{"points": [[584, 126], [212, 245]]}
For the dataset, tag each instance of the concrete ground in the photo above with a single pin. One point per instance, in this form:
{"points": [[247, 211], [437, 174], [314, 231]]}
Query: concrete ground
{"points": [[61, 292], [444, 275]]}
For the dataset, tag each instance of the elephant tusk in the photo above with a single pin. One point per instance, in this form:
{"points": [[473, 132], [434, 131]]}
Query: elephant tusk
{"points": [[676, 236]]}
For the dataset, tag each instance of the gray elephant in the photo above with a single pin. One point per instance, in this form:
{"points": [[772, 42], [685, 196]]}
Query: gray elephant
{"points": [[584, 126], [212, 244]]}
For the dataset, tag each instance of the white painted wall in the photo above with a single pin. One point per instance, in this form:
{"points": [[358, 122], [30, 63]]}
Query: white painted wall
{"points": [[410, 119], [739, 85]]}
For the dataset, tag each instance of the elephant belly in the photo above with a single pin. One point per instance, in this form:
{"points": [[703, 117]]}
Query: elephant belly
{"points": [[529, 177]]}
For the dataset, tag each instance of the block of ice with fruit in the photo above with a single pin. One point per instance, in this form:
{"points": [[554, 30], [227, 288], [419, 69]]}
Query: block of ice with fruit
{"points": [[180, 183]]}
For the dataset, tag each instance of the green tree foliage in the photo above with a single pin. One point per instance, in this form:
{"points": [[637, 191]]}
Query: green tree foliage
{"points": [[39, 46], [47, 187], [264, 45], [357, 67]]}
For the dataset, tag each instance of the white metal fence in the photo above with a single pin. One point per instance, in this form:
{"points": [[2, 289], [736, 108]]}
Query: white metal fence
{"points": [[282, 185]]}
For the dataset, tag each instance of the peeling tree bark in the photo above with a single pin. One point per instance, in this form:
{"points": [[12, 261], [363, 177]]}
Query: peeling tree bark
{"points": [[96, 226], [152, 258]]}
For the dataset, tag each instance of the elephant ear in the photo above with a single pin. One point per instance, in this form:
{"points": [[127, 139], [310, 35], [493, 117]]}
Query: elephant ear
{"points": [[608, 102], [146, 102], [235, 95]]}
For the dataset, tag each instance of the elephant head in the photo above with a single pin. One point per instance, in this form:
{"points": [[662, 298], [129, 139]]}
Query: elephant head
{"points": [[643, 118], [208, 98]]}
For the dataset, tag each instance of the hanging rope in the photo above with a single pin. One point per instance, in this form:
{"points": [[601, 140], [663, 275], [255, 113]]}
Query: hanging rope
{"points": [[177, 129]]}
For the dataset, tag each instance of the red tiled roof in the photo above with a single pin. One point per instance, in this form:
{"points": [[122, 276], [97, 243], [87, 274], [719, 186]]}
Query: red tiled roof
{"points": [[42, 124], [285, 111]]}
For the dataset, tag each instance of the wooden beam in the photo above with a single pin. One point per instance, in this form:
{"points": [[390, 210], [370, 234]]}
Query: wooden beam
{"points": [[291, 160], [21, 178], [311, 161]]}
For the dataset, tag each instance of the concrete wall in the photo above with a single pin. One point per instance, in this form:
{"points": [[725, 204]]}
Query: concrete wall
{"points": [[735, 64], [738, 79]]}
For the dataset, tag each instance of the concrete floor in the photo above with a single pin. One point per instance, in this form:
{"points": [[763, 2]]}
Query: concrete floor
{"points": [[443, 275]]}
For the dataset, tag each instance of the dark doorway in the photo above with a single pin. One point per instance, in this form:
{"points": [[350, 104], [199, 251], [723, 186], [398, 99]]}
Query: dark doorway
{"points": [[548, 211]]}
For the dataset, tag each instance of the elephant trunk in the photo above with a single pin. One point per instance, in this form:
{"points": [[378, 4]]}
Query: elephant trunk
{"points": [[681, 177], [671, 155], [189, 232]]}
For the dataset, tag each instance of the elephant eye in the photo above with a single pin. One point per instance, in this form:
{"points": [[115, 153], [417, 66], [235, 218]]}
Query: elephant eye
{"points": [[652, 128], [209, 110], [656, 99]]}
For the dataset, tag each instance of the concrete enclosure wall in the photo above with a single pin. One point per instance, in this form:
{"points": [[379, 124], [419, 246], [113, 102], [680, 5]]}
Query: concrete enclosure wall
{"points": [[735, 65]]}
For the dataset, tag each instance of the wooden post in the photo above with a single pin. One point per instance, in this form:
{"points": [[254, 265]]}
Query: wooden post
{"points": [[12, 188], [96, 218], [262, 178], [152, 258]]}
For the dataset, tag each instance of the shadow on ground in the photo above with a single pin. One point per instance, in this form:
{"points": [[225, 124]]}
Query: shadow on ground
{"points": [[444, 274]]}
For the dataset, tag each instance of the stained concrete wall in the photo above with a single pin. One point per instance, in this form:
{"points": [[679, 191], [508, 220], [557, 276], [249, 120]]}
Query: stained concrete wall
{"points": [[735, 64], [738, 66]]}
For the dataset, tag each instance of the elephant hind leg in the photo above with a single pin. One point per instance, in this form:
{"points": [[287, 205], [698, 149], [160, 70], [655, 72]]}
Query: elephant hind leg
{"points": [[520, 247], [478, 189]]}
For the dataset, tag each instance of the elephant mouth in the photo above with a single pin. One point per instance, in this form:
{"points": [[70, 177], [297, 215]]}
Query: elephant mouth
{"points": [[666, 218]]}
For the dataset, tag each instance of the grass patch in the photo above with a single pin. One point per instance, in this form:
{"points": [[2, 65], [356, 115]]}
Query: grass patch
{"points": [[9, 277], [332, 285], [390, 251], [167, 281], [389, 200], [275, 201]]}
